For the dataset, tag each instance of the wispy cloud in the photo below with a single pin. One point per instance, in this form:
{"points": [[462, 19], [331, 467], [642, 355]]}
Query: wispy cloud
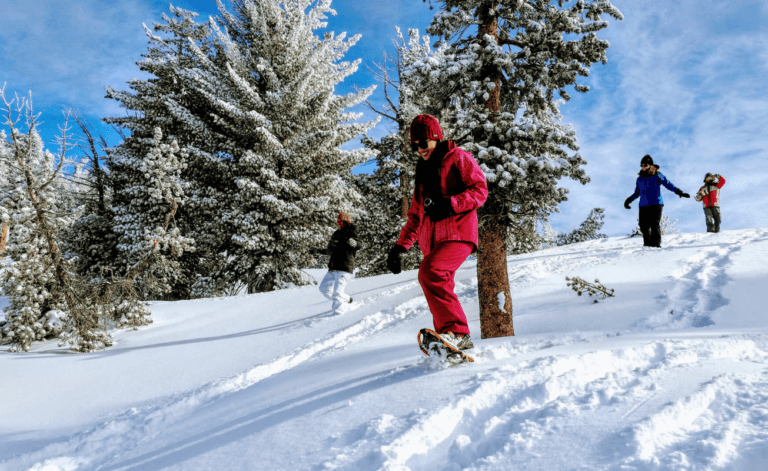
{"points": [[66, 52], [686, 85]]}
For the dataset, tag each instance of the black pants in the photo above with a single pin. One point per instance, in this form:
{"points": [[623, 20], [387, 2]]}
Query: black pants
{"points": [[713, 218], [650, 220]]}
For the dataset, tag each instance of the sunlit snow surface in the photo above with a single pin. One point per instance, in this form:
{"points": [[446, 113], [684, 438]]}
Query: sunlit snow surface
{"points": [[671, 373]]}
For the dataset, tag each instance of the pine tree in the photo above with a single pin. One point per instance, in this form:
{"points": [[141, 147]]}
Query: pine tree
{"points": [[29, 280], [588, 230], [522, 236], [164, 102], [388, 191], [37, 202], [497, 90], [90, 240], [379, 226], [249, 97], [148, 192], [274, 115]]}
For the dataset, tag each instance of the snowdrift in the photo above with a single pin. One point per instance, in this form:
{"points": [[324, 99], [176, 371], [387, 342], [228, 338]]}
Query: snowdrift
{"points": [[671, 373]]}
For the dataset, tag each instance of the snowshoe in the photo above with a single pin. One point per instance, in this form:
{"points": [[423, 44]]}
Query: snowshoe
{"points": [[431, 341]]}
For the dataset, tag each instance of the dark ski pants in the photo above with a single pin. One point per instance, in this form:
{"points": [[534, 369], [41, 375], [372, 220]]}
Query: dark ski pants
{"points": [[436, 277], [712, 216], [650, 221]]}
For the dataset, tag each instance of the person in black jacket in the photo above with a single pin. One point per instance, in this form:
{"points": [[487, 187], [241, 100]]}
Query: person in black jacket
{"points": [[342, 248]]}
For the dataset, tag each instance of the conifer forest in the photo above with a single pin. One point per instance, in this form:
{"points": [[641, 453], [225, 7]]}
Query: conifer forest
{"points": [[230, 170]]}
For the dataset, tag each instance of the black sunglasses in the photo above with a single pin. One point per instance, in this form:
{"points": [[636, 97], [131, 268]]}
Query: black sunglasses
{"points": [[422, 144]]}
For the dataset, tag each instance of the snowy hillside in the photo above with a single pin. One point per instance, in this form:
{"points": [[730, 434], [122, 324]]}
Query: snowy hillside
{"points": [[672, 373]]}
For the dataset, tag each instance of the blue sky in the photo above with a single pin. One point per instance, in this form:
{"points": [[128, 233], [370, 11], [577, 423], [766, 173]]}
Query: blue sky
{"points": [[685, 82]]}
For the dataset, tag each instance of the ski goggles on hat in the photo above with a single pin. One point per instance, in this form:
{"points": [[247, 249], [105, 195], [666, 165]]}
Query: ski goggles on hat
{"points": [[420, 144]]}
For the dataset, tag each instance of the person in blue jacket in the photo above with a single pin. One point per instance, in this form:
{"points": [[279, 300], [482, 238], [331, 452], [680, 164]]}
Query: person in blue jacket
{"points": [[648, 188]]}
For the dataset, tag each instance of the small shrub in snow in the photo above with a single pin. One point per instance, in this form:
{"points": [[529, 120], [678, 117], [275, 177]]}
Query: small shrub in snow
{"points": [[665, 227], [596, 289]]}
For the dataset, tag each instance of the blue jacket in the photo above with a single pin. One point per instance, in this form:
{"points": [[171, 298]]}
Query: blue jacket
{"points": [[649, 189]]}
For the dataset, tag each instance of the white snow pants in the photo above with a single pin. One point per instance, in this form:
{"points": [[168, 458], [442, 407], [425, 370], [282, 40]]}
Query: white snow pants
{"points": [[333, 286]]}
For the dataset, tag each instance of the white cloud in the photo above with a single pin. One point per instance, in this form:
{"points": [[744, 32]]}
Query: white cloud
{"points": [[688, 88], [685, 82], [66, 52]]}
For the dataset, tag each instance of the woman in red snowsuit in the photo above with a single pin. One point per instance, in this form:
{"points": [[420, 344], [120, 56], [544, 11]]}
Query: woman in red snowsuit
{"points": [[449, 188]]}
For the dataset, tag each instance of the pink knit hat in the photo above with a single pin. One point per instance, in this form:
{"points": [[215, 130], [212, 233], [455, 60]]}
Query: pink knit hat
{"points": [[425, 126]]}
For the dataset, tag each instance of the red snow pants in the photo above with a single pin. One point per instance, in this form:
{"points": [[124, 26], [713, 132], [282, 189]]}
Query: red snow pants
{"points": [[436, 277]]}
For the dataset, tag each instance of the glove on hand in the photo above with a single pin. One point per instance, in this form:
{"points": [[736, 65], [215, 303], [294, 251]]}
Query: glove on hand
{"points": [[680, 193], [393, 259], [626, 203], [438, 208]]}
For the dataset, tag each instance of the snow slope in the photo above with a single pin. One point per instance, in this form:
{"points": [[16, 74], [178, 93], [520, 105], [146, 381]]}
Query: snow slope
{"points": [[672, 373]]}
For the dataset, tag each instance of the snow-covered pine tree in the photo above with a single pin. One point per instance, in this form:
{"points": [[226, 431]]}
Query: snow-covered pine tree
{"points": [[90, 240], [388, 191], [163, 101], [92, 244], [268, 109], [28, 280], [36, 201], [497, 86], [250, 99], [379, 226], [522, 236], [588, 230], [147, 194]]}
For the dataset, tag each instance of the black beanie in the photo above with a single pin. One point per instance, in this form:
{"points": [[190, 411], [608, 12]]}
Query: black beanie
{"points": [[647, 159]]}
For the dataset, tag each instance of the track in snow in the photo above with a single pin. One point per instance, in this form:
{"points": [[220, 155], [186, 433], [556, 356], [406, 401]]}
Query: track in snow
{"points": [[509, 415]]}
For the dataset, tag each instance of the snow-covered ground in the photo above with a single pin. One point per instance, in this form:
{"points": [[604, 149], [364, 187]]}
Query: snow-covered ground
{"points": [[671, 373]]}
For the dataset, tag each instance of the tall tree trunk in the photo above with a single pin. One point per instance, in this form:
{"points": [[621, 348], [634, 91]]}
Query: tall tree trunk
{"points": [[492, 277], [85, 321], [405, 179], [4, 238]]}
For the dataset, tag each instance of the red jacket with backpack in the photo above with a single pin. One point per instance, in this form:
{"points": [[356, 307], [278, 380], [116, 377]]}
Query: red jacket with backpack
{"points": [[709, 194], [461, 180]]}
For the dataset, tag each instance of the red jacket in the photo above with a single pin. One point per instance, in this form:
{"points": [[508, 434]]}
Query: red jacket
{"points": [[709, 194], [460, 179]]}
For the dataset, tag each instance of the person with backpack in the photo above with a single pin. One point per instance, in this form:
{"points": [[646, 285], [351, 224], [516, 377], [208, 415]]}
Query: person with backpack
{"points": [[449, 187], [709, 195], [341, 266], [648, 189]]}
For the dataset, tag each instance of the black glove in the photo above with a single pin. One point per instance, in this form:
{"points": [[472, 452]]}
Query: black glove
{"points": [[438, 208], [626, 203], [680, 193], [393, 259]]}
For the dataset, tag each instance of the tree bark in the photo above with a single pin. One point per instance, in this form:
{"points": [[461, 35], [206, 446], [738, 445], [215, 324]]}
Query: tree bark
{"points": [[4, 238], [492, 276], [405, 179], [493, 280]]}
